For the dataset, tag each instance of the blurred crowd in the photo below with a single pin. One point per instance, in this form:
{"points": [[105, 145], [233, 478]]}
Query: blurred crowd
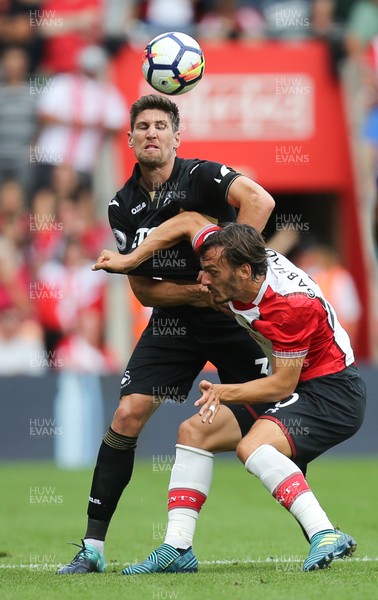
{"points": [[58, 110]]}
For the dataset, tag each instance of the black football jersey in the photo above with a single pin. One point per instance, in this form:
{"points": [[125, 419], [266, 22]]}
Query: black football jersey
{"points": [[194, 185]]}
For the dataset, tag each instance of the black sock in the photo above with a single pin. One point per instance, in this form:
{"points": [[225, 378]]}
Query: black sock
{"points": [[114, 467], [96, 530]]}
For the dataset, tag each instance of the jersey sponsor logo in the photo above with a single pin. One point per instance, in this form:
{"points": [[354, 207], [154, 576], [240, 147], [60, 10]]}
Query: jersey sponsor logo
{"points": [[140, 235], [121, 239], [138, 208], [223, 171], [113, 202]]}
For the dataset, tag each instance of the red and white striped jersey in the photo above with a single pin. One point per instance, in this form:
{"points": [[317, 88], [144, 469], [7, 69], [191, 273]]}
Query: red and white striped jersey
{"points": [[290, 318]]}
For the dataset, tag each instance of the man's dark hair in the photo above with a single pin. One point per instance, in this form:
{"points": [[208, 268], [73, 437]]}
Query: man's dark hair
{"points": [[154, 102], [241, 244]]}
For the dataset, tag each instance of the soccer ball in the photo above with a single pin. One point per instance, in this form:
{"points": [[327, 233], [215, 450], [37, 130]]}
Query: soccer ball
{"points": [[173, 63]]}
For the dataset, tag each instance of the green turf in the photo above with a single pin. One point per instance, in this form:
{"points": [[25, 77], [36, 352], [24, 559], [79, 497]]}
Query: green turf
{"points": [[42, 508]]}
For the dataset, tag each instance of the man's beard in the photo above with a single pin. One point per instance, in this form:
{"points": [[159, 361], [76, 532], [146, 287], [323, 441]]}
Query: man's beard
{"points": [[225, 295], [150, 161]]}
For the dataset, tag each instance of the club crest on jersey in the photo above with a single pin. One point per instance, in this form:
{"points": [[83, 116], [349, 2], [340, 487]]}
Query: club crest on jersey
{"points": [[168, 199], [121, 239]]}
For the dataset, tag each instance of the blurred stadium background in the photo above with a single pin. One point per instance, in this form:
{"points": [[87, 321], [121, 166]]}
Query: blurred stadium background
{"points": [[289, 97]]}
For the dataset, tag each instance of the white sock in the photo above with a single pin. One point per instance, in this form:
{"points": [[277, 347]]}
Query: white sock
{"points": [[284, 480], [188, 489], [98, 544]]}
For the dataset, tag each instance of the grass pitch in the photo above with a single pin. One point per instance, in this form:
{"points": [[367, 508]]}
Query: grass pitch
{"points": [[247, 545]]}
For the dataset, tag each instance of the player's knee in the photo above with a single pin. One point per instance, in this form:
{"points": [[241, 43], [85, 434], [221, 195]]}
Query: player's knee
{"points": [[130, 417], [190, 433], [244, 449]]}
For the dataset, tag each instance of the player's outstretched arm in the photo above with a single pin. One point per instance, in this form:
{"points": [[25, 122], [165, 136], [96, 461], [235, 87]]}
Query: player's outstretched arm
{"points": [[183, 226]]}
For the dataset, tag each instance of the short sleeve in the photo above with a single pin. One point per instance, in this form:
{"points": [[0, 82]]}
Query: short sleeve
{"points": [[289, 327], [202, 235], [294, 335], [124, 236], [212, 180]]}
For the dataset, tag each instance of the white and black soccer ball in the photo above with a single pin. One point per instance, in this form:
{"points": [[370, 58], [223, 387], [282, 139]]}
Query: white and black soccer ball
{"points": [[173, 63]]}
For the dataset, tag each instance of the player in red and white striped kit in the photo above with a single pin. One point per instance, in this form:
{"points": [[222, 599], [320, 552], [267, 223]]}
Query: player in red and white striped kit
{"points": [[313, 398]]}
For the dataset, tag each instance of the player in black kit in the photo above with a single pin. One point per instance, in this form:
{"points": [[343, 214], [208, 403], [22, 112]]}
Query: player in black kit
{"points": [[184, 331]]}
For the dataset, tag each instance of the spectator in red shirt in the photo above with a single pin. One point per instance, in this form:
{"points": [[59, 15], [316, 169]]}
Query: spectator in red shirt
{"points": [[68, 26]]}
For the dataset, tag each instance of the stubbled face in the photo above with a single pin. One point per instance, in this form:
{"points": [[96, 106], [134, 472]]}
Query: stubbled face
{"points": [[220, 279], [153, 139]]}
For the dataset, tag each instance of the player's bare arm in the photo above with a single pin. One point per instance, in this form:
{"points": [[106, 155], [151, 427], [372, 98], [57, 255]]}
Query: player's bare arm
{"points": [[278, 386], [156, 293], [183, 226], [255, 204], [151, 292]]}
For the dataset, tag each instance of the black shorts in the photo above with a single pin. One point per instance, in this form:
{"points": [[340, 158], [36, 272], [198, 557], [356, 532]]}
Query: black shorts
{"points": [[176, 345], [322, 413]]}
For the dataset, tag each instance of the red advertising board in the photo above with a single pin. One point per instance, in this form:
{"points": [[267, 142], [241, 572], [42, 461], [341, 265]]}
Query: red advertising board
{"points": [[272, 107]]}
